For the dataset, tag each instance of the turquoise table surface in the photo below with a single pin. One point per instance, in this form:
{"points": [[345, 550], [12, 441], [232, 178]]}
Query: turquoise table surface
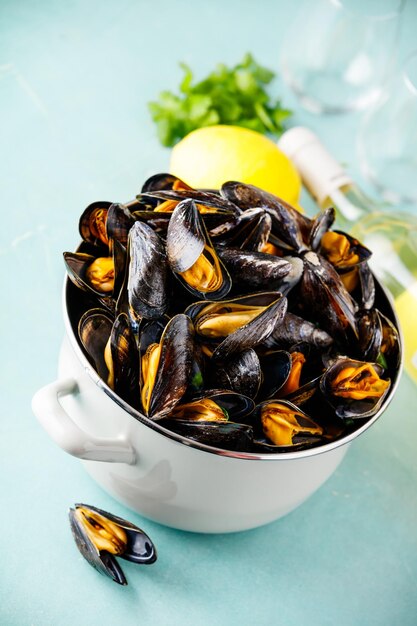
{"points": [[75, 78]]}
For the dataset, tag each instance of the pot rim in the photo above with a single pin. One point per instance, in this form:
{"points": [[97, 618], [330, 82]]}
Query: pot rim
{"points": [[257, 456]]}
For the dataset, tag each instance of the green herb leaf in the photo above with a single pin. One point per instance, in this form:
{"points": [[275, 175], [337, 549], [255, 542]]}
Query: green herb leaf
{"points": [[235, 95]]}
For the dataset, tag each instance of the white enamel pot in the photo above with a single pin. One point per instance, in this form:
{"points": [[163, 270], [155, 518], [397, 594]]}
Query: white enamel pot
{"points": [[162, 475]]}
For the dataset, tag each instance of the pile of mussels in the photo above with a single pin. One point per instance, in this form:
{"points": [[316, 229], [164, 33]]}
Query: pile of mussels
{"points": [[232, 317]]}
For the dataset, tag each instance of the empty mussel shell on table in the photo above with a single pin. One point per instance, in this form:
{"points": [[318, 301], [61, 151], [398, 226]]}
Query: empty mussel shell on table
{"points": [[101, 537]]}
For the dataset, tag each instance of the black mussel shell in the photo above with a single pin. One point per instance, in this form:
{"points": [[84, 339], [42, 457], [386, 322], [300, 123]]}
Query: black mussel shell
{"points": [[175, 363], [125, 360], [241, 373], [350, 408], [187, 242], [224, 435], [276, 367], [321, 224], [295, 329], [94, 330], [77, 264], [253, 333], [92, 224], [163, 181], [250, 231], [147, 279], [287, 223], [370, 334], [119, 222], [357, 253], [236, 407], [326, 299], [256, 270], [201, 197], [139, 547], [366, 286], [291, 434]]}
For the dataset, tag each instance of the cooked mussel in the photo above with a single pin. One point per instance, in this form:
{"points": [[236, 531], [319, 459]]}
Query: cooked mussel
{"points": [[92, 224], [101, 536], [166, 366], [354, 388], [191, 254], [281, 425], [324, 295], [342, 250], [112, 347], [97, 274], [242, 323]]}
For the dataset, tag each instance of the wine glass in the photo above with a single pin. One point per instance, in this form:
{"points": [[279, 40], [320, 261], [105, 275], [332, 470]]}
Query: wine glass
{"points": [[387, 142], [337, 54]]}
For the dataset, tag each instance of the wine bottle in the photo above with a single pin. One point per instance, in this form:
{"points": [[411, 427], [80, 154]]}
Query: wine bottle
{"points": [[390, 234]]}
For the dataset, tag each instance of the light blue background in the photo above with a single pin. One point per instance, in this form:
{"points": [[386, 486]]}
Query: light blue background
{"points": [[75, 78]]}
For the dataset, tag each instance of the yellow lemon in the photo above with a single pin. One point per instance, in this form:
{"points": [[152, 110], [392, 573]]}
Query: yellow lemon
{"points": [[209, 156]]}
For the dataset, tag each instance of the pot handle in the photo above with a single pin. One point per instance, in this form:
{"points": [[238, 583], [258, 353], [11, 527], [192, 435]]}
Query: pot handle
{"points": [[68, 435]]}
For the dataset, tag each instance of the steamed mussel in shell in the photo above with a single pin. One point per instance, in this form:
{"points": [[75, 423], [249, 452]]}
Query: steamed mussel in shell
{"points": [[230, 318]]}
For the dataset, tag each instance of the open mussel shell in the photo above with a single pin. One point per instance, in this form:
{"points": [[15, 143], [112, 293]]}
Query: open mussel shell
{"points": [[253, 333], [244, 322], [276, 367], [111, 346], [157, 182], [256, 270], [192, 257], [123, 360], [101, 536], [232, 406], [207, 201], [320, 225], [147, 277], [224, 435], [92, 224], [342, 250], [94, 330], [281, 426], [370, 334], [325, 298], [108, 277], [163, 388], [119, 222], [378, 339], [250, 230], [353, 388]]}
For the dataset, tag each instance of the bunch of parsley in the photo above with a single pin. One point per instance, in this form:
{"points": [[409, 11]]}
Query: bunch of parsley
{"points": [[234, 95]]}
